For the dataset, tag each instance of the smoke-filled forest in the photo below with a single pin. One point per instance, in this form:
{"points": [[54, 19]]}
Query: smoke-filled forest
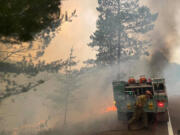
{"points": [[58, 60]]}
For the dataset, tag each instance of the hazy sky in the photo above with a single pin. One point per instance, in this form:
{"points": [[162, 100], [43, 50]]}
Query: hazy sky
{"points": [[76, 33]]}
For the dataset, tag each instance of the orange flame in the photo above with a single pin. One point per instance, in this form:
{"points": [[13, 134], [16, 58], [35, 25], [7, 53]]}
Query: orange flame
{"points": [[111, 109]]}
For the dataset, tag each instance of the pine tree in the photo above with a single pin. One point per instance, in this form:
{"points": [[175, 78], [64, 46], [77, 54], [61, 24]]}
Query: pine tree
{"points": [[68, 83], [22, 20], [65, 96], [27, 27], [119, 26]]}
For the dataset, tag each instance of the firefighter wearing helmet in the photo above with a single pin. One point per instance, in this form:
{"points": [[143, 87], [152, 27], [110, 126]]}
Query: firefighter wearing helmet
{"points": [[139, 110]]}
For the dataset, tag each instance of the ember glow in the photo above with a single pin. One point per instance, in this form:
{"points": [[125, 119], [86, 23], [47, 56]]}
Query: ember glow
{"points": [[111, 109]]}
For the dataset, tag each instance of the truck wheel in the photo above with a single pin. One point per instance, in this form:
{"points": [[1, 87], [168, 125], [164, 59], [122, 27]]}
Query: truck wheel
{"points": [[151, 117], [129, 115], [162, 117]]}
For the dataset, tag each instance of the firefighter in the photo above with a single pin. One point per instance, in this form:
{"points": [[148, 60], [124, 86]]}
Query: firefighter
{"points": [[139, 110]]}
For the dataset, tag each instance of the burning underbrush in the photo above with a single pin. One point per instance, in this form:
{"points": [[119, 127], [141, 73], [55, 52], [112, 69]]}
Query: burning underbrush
{"points": [[111, 109]]}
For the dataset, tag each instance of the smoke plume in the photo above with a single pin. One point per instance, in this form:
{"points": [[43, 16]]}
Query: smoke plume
{"points": [[165, 37]]}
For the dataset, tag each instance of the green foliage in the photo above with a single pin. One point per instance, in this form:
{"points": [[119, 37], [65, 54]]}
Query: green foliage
{"points": [[22, 23], [9, 72], [12, 88], [29, 68], [89, 62], [23, 20], [119, 26]]}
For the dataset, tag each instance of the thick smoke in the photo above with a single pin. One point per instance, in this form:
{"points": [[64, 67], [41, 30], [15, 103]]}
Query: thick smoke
{"points": [[34, 112], [42, 111], [165, 36]]}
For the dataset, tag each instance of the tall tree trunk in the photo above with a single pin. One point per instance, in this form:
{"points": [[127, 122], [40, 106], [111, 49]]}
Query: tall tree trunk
{"points": [[66, 110], [119, 34], [68, 77]]}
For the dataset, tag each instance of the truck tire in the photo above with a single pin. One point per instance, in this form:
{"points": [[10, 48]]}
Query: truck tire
{"points": [[162, 117], [129, 115]]}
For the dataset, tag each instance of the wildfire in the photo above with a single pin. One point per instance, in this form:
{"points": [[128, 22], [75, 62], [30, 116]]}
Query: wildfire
{"points": [[111, 109]]}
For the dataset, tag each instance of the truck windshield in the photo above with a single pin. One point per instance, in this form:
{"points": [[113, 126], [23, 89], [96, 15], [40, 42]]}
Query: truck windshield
{"points": [[159, 87], [138, 90]]}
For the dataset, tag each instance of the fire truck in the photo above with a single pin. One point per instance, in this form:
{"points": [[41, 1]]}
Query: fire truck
{"points": [[126, 92]]}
